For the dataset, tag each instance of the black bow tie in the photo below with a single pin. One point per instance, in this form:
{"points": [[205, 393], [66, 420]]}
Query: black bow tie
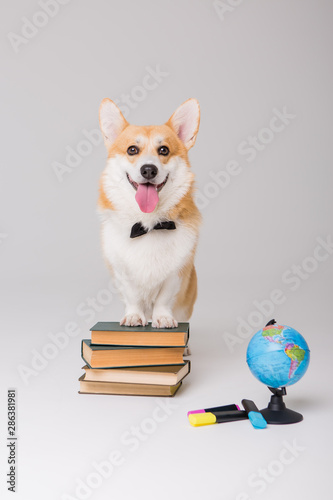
{"points": [[139, 230]]}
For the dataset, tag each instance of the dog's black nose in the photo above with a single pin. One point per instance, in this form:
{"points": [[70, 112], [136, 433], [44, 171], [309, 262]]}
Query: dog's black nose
{"points": [[148, 171]]}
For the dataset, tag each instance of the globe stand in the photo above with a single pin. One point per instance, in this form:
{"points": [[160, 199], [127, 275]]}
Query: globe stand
{"points": [[276, 411]]}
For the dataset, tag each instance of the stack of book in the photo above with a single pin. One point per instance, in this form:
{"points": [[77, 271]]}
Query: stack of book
{"points": [[142, 361]]}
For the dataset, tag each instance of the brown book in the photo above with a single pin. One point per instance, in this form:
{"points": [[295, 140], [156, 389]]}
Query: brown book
{"points": [[90, 387], [158, 375], [112, 333], [105, 356]]}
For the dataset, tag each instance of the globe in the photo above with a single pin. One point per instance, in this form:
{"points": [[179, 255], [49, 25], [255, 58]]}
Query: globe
{"points": [[278, 355]]}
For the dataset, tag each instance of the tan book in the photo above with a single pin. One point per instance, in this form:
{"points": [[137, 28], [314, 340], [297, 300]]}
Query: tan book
{"points": [[106, 356], [90, 387], [159, 375], [112, 333]]}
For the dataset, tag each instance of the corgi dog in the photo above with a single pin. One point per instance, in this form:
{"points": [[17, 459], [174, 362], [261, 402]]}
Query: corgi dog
{"points": [[150, 223]]}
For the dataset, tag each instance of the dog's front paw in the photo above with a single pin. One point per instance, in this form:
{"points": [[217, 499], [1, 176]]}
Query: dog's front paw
{"points": [[164, 321], [134, 319]]}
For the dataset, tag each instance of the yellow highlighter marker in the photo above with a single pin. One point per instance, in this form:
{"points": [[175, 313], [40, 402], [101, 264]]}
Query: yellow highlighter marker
{"points": [[208, 418]]}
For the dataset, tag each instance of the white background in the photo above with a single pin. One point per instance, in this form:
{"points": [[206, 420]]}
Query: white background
{"points": [[241, 65]]}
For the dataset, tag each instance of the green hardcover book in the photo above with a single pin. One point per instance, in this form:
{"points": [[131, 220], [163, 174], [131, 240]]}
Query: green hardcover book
{"points": [[111, 333], [110, 356]]}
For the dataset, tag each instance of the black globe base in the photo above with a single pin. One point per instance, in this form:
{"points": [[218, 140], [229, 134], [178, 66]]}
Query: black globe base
{"points": [[276, 412]]}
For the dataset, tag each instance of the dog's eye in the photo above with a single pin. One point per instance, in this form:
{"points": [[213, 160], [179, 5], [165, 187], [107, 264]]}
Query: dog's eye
{"points": [[132, 150], [163, 150]]}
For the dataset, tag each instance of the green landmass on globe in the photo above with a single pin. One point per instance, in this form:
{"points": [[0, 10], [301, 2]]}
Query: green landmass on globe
{"points": [[273, 333]]}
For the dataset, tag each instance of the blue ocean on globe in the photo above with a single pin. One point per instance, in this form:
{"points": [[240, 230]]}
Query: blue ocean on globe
{"points": [[278, 356]]}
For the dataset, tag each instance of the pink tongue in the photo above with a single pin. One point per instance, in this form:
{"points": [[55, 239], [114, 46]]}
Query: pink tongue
{"points": [[146, 197]]}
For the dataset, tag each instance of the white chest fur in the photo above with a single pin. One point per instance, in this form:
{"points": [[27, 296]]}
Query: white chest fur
{"points": [[150, 259]]}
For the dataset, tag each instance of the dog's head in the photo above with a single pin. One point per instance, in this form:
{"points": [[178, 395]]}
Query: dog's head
{"points": [[148, 167]]}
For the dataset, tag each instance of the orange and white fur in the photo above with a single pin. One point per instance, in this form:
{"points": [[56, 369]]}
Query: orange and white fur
{"points": [[148, 179]]}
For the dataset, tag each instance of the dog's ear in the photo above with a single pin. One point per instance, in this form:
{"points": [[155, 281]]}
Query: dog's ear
{"points": [[185, 122], [111, 121]]}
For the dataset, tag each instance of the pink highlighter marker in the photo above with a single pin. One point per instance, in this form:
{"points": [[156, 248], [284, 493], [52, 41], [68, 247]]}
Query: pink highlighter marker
{"points": [[215, 409]]}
